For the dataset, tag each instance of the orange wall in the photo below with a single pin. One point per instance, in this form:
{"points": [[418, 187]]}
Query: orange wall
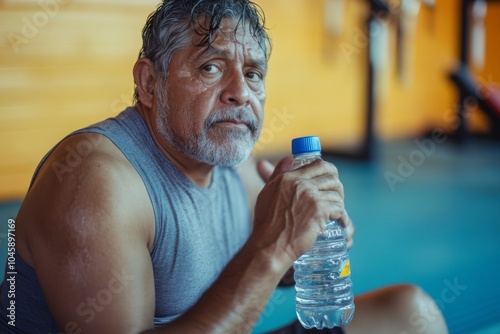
{"points": [[73, 69], [324, 90], [69, 65]]}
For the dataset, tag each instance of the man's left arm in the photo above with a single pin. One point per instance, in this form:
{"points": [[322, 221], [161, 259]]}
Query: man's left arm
{"points": [[254, 176]]}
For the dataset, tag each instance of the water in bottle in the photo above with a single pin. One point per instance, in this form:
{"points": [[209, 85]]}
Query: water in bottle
{"points": [[324, 297]]}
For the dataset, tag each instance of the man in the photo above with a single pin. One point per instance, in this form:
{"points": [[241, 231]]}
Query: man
{"points": [[149, 228]]}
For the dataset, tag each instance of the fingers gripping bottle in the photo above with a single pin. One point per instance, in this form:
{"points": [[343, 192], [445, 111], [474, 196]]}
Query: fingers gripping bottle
{"points": [[323, 286]]}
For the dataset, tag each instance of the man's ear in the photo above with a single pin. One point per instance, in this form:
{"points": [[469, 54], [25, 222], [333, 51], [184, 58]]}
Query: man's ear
{"points": [[145, 79]]}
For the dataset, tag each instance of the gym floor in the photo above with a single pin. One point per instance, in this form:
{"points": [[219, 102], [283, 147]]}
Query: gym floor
{"points": [[426, 213]]}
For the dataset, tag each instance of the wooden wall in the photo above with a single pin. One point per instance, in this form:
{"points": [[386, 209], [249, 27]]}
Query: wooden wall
{"points": [[67, 63], [62, 67]]}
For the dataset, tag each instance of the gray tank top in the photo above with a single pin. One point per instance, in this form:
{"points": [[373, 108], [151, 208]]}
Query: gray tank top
{"points": [[198, 230]]}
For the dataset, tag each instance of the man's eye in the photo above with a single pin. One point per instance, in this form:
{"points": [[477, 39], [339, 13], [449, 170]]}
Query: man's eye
{"points": [[254, 76], [210, 68]]}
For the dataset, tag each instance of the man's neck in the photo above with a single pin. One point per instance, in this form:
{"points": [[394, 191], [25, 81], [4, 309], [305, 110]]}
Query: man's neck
{"points": [[199, 173]]}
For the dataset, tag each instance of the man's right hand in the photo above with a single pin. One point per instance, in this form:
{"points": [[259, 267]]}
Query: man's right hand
{"points": [[293, 208]]}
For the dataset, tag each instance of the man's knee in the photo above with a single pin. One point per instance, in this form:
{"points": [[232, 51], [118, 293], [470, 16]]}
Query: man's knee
{"points": [[416, 308], [405, 299], [408, 296]]}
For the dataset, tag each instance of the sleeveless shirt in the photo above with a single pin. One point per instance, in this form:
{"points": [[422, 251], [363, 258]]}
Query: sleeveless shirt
{"points": [[198, 230]]}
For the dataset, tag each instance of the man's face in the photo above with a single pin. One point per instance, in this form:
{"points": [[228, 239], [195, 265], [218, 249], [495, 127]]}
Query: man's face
{"points": [[215, 98]]}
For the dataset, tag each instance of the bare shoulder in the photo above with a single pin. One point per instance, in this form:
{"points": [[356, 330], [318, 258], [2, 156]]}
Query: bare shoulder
{"points": [[86, 221], [86, 182]]}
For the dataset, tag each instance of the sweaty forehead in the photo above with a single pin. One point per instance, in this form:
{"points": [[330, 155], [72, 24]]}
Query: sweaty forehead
{"points": [[230, 34]]}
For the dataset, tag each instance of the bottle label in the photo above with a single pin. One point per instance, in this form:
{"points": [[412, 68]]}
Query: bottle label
{"points": [[346, 270]]}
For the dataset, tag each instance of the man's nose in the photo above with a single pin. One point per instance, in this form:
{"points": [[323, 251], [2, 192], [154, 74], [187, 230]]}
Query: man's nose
{"points": [[236, 92]]}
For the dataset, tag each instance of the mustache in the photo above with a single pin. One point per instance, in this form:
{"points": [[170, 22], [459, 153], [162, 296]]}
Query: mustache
{"points": [[241, 115]]}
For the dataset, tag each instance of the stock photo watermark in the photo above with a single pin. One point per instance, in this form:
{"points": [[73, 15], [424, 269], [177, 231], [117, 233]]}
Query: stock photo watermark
{"points": [[428, 313], [75, 154], [424, 148], [417, 157], [11, 272], [278, 122], [256, 318], [31, 24], [88, 309], [361, 37], [121, 103]]}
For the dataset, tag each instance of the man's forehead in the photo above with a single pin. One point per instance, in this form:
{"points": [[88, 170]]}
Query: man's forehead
{"points": [[230, 33]]}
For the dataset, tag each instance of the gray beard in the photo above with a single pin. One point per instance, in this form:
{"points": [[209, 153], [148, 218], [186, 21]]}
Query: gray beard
{"points": [[216, 145]]}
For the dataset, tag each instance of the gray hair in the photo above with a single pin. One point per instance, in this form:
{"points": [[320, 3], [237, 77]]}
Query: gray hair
{"points": [[170, 27]]}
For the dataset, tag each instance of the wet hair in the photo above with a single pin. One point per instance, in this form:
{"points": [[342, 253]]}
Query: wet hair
{"points": [[171, 26]]}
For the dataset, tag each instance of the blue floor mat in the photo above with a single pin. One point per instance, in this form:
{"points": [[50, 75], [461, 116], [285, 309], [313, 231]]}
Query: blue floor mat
{"points": [[427, 219], [438, 228]]}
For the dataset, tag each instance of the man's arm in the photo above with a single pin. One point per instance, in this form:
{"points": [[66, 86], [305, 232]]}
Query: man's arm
{"points": [[235, 301], [254, 175], [86, 237]]}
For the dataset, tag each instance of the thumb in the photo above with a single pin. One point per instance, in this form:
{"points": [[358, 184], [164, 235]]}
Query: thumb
{"points": [[267, 170]]}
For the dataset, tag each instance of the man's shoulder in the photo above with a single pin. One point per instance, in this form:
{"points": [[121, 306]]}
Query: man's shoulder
{"points": [[92, 171], [84, 154], [85, 184]]}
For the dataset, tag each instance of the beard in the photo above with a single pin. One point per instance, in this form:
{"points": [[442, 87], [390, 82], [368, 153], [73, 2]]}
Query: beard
{"points": [[216, 145]]}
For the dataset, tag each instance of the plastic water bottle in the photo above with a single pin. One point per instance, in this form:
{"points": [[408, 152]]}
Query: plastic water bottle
{"points": [[323, 285]]}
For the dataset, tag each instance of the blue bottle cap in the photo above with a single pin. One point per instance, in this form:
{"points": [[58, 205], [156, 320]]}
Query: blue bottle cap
{"points": [[306, 145]]}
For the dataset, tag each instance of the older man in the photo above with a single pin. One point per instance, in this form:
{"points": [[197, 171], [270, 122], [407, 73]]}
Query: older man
{"points": [[142, 222]]}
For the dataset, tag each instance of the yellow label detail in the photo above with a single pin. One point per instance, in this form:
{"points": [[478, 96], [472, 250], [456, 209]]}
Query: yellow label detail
{"points": [[346, 271]]}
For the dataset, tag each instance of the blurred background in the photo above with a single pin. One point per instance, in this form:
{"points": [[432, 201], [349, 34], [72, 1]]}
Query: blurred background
{"points": [[404, 94]]}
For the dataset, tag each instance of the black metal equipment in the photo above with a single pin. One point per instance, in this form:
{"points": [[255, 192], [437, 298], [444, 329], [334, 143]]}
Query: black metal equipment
{"points": [[367, 146], [468, 86]]}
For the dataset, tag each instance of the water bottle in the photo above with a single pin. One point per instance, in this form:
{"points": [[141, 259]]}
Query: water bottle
{"points": [[323, 286]]}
